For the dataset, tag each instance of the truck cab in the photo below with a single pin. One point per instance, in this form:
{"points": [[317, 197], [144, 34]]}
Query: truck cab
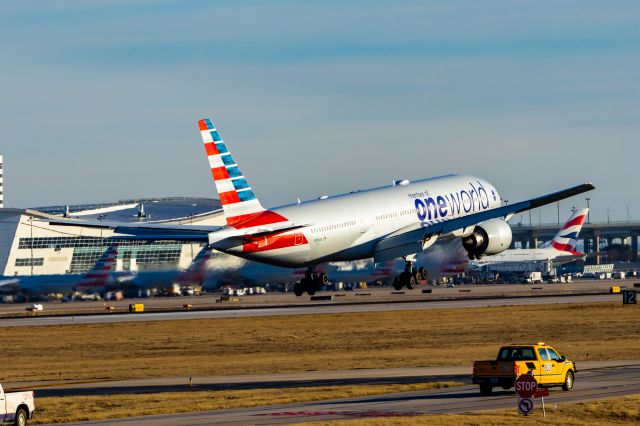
{"points": [[547, 366]]}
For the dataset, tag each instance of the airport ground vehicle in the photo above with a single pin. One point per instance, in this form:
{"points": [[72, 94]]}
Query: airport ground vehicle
{"points": [[16, 407], [545, 364], [533, 278]]}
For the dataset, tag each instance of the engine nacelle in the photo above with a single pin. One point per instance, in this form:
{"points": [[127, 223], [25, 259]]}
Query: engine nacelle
{"points": [[489, 237]]}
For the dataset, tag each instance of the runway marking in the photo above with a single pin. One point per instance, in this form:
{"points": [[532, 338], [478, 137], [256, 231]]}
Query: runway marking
{"points": [[343, 413]]}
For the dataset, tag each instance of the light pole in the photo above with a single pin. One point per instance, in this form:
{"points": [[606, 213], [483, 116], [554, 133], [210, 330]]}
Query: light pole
{"points": [[558, 203], [588, 210]]}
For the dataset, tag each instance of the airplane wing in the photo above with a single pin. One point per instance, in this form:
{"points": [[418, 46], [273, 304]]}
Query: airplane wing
{"points": [[9, 284], [142, 231], [561, 260], [410, 239], [158, 231]]}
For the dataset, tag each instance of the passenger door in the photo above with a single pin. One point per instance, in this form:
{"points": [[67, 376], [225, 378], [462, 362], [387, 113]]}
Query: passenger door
{"points": [[557, 374], [546, 366]]}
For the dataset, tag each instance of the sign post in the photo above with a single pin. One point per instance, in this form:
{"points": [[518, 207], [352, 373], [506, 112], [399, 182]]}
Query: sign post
{"points": [[526, 386], [541, 393]]}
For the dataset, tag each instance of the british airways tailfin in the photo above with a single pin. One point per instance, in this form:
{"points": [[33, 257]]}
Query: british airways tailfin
{"points": [[567, 238], [240, 206]]}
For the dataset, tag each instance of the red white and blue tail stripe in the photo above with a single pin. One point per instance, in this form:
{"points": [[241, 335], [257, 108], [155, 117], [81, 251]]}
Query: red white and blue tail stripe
{"points": [[239, 204], [100, 274], [196, 272], [567, 238]]}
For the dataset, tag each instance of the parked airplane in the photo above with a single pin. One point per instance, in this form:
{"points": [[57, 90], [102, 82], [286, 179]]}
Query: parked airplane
{"points": [[388, 222], [196, 274], [561, 250], [99, 277], [231, 270]]}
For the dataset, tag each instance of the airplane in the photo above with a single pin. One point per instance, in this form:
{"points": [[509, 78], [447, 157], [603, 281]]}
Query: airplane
{"points": [[561, 249], [394, 221], [196, 273], [231, 270], [98, 277]]}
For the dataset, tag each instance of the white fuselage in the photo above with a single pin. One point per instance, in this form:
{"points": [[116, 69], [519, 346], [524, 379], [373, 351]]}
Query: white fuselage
{"points": [[348, 226], [523, 255]]}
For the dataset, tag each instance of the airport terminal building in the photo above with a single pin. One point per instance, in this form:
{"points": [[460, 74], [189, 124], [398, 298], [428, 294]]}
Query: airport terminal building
{"points": [[31, 245]]}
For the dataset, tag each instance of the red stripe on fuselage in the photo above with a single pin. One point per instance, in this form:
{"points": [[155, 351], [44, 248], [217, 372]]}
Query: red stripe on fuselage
{"points": [[265, 217], [273, 242]]}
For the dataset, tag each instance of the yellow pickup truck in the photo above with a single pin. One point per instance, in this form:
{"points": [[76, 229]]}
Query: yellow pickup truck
{"points": [[545, 364]]}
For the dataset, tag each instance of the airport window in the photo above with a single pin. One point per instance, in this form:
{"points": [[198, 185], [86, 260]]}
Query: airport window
{"points": [[87, 251], [35, 261], [146, 257]]}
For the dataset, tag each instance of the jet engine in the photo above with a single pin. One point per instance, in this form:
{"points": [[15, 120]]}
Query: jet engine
{"points": [[489, 237]]}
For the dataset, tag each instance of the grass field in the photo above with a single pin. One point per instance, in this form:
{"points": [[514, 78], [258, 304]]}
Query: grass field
{"points": [[80, 408], [312, 342], [617, 411]]}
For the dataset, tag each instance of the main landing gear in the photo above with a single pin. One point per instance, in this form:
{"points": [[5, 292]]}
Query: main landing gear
{"points": [[311, 283], [410, 277]]}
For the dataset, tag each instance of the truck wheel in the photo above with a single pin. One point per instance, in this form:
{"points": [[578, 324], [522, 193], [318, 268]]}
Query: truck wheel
{"points": [[568, 381], [21, 418], [485, 390]]}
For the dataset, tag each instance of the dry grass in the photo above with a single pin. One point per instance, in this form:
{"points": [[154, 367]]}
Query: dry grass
{"points": [[618, 411], [312, 342], [81, 408]]}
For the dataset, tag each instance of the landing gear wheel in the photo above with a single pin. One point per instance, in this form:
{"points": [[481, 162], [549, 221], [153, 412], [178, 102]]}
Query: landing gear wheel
{"points": [[298, 289], [21, 418], [403, 278], [323, 279], [421, 274], [412, 283], [312, 287], [486, 389], [396, 284], [568, 381]]}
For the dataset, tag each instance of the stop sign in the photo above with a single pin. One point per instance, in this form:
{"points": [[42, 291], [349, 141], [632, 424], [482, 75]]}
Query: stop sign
{"points": [[526, 385]]}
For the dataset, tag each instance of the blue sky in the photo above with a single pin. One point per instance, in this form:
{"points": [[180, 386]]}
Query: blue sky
{"points": [[100, 99]]}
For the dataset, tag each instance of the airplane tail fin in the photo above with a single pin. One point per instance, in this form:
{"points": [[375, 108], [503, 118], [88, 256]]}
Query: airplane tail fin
{"points": [[99, 275], [196, 272], [567, 238], [239, 204]]}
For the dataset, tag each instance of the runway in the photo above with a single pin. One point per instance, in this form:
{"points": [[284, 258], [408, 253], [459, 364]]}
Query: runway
{"points": [[318, 308], [590, 385]]}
